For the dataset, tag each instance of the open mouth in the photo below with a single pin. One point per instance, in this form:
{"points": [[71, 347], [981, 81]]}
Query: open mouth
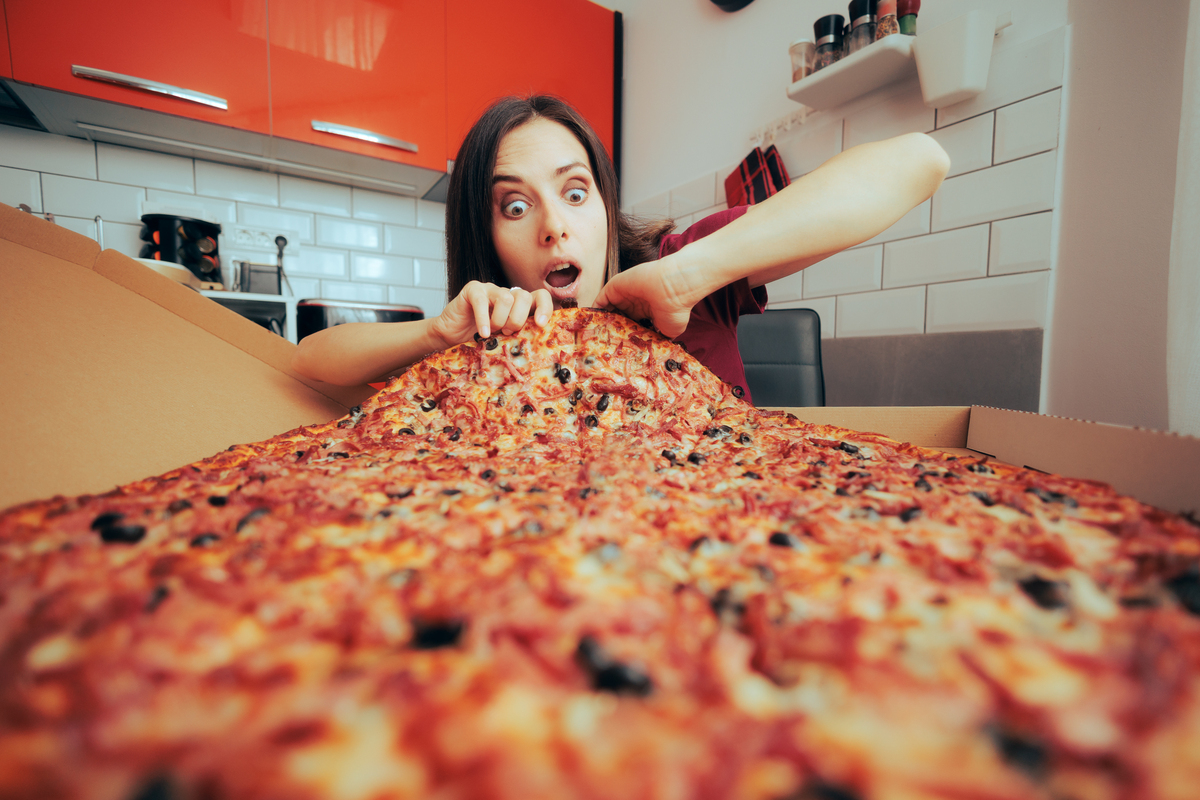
{"points": [[563, 282]]}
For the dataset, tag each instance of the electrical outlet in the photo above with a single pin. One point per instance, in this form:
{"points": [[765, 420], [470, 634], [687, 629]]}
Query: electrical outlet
{"points": [[241, 237]]}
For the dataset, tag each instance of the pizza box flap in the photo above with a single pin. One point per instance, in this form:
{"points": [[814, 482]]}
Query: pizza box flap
{"points": [[1162, 469], [941, 427], [113, 373]]}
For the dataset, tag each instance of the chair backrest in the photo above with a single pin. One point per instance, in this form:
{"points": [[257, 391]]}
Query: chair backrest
{"points": [[781, 349]]}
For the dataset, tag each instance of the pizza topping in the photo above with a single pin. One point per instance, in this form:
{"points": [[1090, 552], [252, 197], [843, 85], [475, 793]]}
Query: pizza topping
{"points": [[488, 474], [909, 514], [602, 405], [1047, 594], [848, 448], [122, 534], [432, 634], [157, 597], [562, 373], [819, 790], [923, 485], [608, 675], [1020, 752], [217, 500], [781, 539], [591, 421], [1047, 496], [176, 506], [696, 458], [454, 433], [752, 475], [204, 540], [672, 365], [984, 498], [491, 343], [106, 519], [257, 513], [1186, 588]]}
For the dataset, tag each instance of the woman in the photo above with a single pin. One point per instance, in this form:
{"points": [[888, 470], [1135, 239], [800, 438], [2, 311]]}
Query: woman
{"points": [[533, 224]]}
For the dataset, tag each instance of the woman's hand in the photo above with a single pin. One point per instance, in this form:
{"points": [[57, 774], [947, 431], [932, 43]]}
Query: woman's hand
{"points": [[485, 308], [652, 291]]}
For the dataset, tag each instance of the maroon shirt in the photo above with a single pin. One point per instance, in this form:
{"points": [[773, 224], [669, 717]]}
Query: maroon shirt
{"points": [[711, 334]]}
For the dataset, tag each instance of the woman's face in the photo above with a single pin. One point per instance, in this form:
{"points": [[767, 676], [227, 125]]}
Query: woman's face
{"points": [[549, 224]]}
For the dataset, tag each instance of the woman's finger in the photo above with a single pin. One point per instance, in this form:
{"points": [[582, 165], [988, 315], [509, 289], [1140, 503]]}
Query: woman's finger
{"points": [[476, 295], [519, 313], [544, 306], [502, 301]]}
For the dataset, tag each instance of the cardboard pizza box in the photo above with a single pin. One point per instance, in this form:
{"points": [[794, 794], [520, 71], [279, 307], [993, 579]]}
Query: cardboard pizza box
{"points": [[112, 373]]}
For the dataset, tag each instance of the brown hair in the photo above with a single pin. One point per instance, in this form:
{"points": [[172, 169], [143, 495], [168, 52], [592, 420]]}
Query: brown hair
{"points": [[470, 253]]}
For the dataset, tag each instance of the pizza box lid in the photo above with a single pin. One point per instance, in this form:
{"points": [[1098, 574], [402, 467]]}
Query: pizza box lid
{"points": [[113, 372], [1162, 469]]}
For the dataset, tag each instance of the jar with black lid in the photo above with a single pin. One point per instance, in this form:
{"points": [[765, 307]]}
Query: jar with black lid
{"points": [[828, 33], [862, 25]]}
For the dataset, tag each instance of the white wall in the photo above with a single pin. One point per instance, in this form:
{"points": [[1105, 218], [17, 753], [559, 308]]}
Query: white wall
{"points": [[698, 81]]}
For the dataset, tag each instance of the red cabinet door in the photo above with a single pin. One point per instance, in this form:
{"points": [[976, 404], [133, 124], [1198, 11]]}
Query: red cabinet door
{"points": [[559, 47], [375, 67], [213, 49], [5, 58]]}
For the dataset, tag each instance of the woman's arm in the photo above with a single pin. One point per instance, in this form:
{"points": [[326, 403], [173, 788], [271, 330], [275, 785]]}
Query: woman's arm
{"points": [[362, 352], [854, 196]]}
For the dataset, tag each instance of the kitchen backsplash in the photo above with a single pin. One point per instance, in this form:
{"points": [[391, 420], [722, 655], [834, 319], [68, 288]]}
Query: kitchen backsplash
{"points": [[355, 244], [978, 255]]}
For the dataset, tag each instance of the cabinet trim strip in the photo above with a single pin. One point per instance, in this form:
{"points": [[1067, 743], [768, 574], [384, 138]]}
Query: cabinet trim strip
{"points": [[145, 85], [291, 167], [363, 135]]}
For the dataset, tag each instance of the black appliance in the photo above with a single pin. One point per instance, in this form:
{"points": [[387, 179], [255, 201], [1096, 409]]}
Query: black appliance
{"points": [[316, 315]]}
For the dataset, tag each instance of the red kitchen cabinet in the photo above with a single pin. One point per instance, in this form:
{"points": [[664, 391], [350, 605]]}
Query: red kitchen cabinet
{"points": [[5, 56], [211, 51], [559, 47], [364, 76]]}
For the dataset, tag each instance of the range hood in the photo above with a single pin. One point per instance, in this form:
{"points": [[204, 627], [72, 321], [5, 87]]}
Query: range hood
{"points": [[102, 121]]}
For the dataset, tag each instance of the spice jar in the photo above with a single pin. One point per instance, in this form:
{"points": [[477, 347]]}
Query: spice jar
{"points": [[802, 52], [862, 25], [828, 33], [886, 22], [907, 10]]}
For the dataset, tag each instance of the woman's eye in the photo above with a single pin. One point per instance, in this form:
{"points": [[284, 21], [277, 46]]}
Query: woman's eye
{"points": [[576, 196], [516, 208]]}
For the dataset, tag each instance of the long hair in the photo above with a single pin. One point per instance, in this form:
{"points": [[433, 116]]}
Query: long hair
{"points": [[470, 252]]}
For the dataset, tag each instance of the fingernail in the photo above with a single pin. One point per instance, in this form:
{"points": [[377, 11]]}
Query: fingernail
{"points": [[487, 331], [542, 319]]}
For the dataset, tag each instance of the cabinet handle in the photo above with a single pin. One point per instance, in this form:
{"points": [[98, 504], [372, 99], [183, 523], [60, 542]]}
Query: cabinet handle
{"points": [[149, 86], [363, 135]]}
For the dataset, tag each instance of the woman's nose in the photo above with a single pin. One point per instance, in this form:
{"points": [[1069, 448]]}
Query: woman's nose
{"points": [[554, 225]]}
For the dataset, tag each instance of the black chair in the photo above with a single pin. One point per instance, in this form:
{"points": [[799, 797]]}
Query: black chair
{"points": [[781, 349]]}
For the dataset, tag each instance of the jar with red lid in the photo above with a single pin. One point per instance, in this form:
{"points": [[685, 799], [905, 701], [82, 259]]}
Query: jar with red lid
{"points": [[886, 22]]}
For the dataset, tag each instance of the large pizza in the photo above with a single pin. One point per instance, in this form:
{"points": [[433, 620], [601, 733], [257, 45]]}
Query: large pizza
{"points": [[570, 563]]}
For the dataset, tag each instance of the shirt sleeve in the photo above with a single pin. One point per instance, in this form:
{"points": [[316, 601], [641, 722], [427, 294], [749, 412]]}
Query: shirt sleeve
{"points": [[726, 304]]}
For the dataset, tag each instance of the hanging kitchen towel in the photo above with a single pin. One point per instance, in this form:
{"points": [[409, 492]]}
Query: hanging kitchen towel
{"points": [[760, 175]]}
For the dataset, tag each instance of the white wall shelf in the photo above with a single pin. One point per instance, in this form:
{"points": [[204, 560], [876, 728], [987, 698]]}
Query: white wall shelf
{"points": [[883, 62]]}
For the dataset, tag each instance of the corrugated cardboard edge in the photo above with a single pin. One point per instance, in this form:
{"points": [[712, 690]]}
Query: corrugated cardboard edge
{"points": [[36, 233], [45, 237], [928, 426], [222, 323], [1161, 469]]}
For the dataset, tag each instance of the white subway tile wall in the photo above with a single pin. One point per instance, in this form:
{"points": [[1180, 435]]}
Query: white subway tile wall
{"points": [[951, 256], [19, 186], [320, 198], [989, 304], [977, 256], [1021, 244], [143, 168], [968, 143], [355, 244], [1027, 127], [857, 270], [693, 196], [892, 312]]}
